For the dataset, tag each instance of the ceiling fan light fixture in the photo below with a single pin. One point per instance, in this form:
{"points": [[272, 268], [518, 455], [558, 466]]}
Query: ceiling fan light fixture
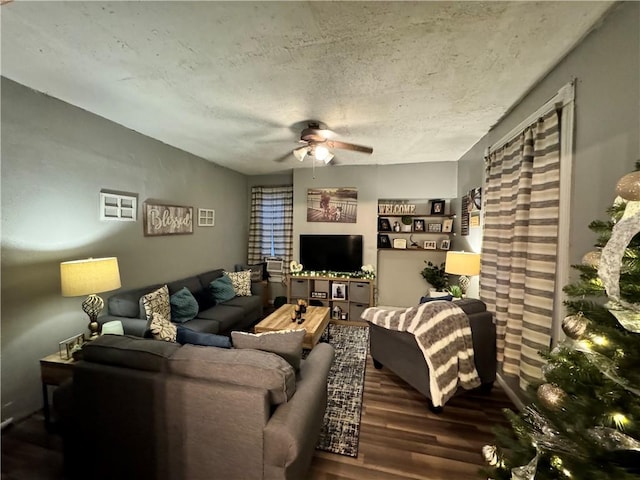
{"points": [[328, 158], [300, 153], [321, 153]]}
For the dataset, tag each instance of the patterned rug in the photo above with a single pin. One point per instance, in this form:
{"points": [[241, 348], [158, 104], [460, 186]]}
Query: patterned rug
{"points": [[341, 429]]}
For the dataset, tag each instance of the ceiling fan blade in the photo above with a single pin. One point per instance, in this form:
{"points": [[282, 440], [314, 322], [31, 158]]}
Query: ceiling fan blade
{"points": [[348, 146], [283, 158]]}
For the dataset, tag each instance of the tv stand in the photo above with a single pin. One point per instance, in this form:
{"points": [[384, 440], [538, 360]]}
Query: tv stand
{"points": [[351, 296]]}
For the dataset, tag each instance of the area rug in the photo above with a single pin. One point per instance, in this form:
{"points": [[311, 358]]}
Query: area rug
{"points": [[341, 428]]}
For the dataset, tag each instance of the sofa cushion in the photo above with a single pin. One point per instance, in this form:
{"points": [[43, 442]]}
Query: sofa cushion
{"points": [[246, 304], [127, 303], [226, 316], [128, 351], [203, 325], [186, 335], [222, 289], [191, 283], [246, 367], [157, 302], [205, 299], [161, 328], [207, 277], [286, 343], [241, 282], [184, 306], [258, 271]]}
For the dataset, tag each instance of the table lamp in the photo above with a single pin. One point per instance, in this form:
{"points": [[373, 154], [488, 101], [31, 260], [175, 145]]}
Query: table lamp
{"points": [[463, 264], [89, 277]]}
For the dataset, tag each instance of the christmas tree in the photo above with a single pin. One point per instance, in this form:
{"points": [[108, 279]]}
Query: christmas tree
{"points": [[584, 419]]}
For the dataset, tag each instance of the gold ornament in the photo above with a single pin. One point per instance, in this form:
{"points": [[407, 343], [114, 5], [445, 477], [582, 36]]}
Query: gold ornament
{"points": [[574, 326], [551, 396], [592, 258], [490, 454], [628, 187]]}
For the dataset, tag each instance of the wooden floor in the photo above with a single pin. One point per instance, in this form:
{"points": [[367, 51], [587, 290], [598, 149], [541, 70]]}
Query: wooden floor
{"points": [[400, 438]]}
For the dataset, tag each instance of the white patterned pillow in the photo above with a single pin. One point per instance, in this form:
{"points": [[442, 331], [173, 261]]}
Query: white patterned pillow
{"points": [[157, 302], [241, 282], [162, 329]]}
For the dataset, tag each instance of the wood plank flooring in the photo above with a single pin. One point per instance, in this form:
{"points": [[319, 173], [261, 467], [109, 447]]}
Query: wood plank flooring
{"points": [[400, 438]]}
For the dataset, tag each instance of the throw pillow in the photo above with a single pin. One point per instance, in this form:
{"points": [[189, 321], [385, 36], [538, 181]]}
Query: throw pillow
{"points": [[222, 289], [447, 298], [186, 335], [286, 343], [258, 271], [157, 302], [184, 306], [161, 328], [241, 282]]}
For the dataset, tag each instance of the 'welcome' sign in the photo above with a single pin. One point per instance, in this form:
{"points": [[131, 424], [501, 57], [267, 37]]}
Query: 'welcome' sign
{"points": [[167, 220]]}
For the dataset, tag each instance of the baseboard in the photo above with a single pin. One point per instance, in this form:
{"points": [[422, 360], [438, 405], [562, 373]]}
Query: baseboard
{"points": [[517, 401]]}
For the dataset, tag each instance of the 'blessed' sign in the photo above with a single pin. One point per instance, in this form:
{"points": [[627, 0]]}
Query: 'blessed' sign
{"points": [[167, 220]]}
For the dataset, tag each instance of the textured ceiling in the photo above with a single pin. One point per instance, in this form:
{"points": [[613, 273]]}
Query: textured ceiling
{"points": [[233, 82]]}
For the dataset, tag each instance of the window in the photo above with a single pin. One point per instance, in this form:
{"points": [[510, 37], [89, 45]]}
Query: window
{"points": [[271, 225]]}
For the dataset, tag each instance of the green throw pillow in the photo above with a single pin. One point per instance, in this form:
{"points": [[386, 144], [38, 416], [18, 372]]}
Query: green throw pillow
{"points": [[222, 289], [184, 306]]}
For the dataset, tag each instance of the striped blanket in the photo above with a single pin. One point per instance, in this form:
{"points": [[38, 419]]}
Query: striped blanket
{"points": [[443, 334]]}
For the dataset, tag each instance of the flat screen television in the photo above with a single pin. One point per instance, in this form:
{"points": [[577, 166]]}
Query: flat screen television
{"points": [[338, 253]]}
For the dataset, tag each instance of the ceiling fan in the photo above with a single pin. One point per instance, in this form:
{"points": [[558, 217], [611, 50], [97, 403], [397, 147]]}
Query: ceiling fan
{"points": [[318, 142]]}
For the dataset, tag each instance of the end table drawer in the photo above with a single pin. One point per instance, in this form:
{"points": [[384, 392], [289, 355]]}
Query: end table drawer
{"points": [[360, 292]]}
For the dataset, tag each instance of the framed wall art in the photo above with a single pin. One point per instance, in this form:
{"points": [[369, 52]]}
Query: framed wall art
{"points": [[447, 225], [338, 291], [206, 217], [434, 227], [444, 245], [167, 220], [383, 241], [437, 207], [332, 204], [418, 225], [400, 243], [430, 245]]}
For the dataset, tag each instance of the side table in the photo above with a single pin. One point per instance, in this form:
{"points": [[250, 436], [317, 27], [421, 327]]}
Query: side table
{"points": [[54, 370]]}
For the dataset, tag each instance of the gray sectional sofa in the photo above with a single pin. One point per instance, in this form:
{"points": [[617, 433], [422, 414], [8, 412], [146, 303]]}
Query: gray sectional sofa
{"points": [[239, 313], [147, 409]]}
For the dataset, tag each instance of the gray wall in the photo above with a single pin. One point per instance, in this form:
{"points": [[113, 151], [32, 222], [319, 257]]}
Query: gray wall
{"points": [[607, 122], [55, 160], [399, 281]]}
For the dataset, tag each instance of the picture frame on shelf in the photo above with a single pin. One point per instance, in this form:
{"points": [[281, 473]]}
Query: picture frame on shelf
{"points": [[430, 245], [437, 207], [383, 241], [447, 225], [400, 243], [434, 227], [418, 225], [384, 225], [338, 291], [444, 245]]}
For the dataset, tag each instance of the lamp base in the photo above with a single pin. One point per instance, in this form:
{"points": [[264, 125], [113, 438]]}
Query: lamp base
{"points": [[463, 282], [92, 306]]}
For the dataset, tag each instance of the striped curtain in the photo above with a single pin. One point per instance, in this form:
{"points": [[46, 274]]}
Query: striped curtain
{"points": [[271, 224], [519, 245]]}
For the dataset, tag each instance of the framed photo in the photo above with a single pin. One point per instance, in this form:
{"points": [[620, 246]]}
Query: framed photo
{"points": [[437, 207], [447, 225], [206, 217], [71, 344], [333, 204], [400, 243], [430, 245], [444, 245], [338, 291], [434, 227], [418, 225], [384, 225], [167, 220], [383, 241]]}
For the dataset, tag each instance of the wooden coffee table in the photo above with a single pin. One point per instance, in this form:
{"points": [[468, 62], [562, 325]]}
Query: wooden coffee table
{"points": [[316, 320]]}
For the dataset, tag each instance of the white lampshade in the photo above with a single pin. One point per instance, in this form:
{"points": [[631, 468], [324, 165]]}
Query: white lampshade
{"points": [[92, 275], [462, 263], [300, 153]]}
